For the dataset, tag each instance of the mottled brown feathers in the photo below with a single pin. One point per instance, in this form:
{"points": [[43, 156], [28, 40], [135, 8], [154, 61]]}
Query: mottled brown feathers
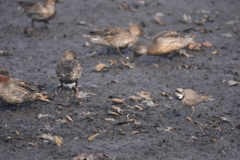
{"points": [[39, 11], [68, 70], [16, 91], [116, 37]]}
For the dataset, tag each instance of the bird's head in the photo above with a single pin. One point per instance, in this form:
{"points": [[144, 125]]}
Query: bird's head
{"points": [[4, 76], [69, 55], [179, 93]]}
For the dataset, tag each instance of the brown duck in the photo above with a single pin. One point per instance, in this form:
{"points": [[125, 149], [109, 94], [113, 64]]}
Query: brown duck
{"points": [[165, 42], [16, 91], [39, 11], [68, 70], [116, 37]]}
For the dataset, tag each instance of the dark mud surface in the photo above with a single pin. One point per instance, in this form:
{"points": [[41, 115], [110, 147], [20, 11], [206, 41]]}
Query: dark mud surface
{"points": [[157, 132]]}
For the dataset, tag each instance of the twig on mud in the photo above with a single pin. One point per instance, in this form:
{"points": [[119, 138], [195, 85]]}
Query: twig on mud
{"points": [[114, 113], [93, 136], [69, 118], [199, 125], [116, 101]]}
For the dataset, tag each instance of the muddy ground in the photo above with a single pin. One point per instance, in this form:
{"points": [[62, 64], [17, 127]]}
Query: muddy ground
{"points": [[160, 130]]}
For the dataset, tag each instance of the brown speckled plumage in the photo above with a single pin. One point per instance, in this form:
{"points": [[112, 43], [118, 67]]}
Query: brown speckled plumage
{"points": [[39, 11], [164, 42], [68, 69], [116, 37]]}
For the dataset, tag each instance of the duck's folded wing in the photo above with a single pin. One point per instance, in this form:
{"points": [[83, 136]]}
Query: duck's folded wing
{"points": [[108, 32], [26, 4], [32, 8], [31, 87]]}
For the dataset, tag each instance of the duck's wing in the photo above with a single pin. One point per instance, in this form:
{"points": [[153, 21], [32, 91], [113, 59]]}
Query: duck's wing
{"points": [[172, 36], [25, 3], [30, 87], [32, 8], [169, 34], [109, 32], [166, 34], [184, 32], [28, 6]]}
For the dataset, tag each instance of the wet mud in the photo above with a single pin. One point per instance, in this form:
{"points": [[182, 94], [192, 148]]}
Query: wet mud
{"points": [[157, 130]]}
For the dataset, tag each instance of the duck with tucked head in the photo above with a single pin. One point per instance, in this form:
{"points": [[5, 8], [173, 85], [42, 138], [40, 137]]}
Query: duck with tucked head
{"points": [[39, 11], [68, 70], [116, 37], [165, 42], [16, 91]]}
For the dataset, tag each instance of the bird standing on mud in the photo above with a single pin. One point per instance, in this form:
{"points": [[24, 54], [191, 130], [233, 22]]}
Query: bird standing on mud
{"points": [[116, 37], [165, 42], [16, 91], [68, 69], [191, 98], [39, 11]]}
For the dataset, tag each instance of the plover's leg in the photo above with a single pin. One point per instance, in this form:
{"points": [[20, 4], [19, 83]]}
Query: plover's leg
{"points": [[193, 109]]}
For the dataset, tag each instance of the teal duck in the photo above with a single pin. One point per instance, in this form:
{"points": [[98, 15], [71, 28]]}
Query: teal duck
{"points": [[39, 11], [116, 37], [165, 42], [16, 91], [68, 69]]}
